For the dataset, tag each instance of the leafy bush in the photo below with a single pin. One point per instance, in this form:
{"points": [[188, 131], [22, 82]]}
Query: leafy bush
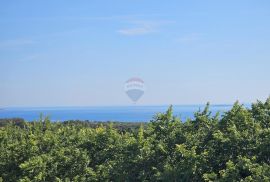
{"points": [[233, 147]]}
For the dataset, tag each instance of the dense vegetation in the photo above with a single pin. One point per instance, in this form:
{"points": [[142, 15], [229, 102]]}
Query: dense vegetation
{"points": [[120, 126], [231, 147], [14, 121]]}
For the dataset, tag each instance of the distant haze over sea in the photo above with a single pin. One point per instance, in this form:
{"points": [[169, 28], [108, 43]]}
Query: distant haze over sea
{"points": [[108, 113]]}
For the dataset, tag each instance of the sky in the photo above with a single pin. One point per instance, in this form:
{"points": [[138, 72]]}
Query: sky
{"points": [[80, 53]]}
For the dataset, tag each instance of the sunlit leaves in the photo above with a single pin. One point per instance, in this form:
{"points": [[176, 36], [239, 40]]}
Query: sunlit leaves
{"points": [[232, 147]]}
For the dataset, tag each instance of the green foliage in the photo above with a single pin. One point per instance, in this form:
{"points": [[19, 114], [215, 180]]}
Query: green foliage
{"points": [[231, 147]]}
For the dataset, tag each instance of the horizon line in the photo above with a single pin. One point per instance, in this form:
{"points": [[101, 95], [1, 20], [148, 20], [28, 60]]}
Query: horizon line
{"points": [[135, 105]]}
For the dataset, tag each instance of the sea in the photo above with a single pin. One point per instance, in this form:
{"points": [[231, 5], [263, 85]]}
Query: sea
{"points": [[108, 113]]}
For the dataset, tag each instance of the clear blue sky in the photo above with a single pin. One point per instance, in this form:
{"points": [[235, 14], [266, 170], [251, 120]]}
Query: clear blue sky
{"points": [[78, 53]]}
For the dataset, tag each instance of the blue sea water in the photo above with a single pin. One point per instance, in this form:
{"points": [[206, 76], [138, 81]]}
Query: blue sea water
{"points": [[115, 113]]}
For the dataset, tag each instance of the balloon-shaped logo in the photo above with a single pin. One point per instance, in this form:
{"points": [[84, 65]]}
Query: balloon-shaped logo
{"points": [[134, 88]]}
